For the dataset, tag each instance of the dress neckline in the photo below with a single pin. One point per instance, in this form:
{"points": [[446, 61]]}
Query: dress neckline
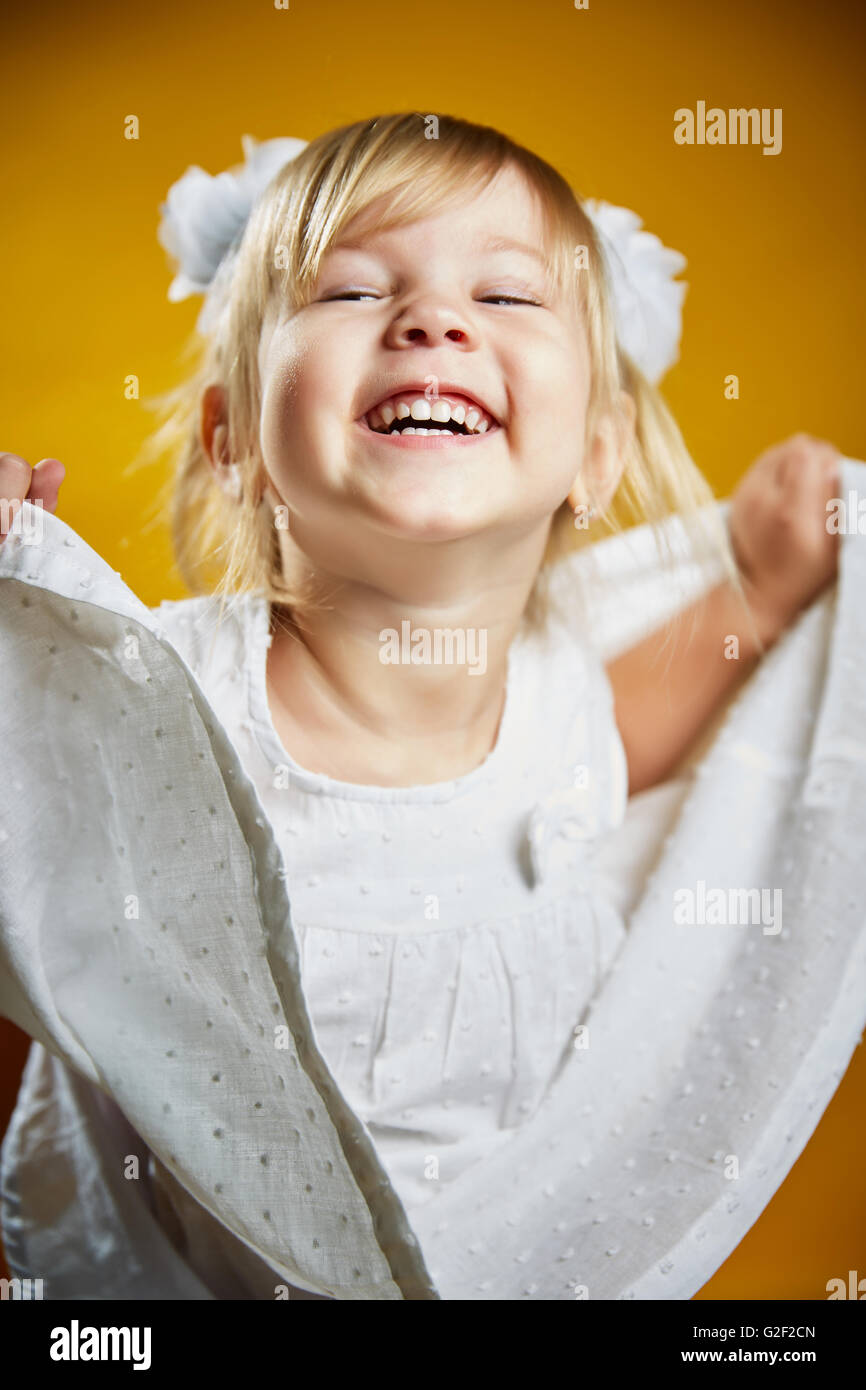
{"points": [[257, 640]]}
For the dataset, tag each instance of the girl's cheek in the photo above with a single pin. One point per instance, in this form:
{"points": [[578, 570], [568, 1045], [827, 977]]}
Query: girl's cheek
{"points": [[276, 431]]}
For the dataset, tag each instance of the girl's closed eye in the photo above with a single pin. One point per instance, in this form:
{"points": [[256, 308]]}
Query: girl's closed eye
{"points": [[493, 296], [350, 294], [511, 299]]}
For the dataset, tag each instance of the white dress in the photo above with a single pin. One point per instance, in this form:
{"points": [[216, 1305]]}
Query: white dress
{"points": [[449, 947], [175, 895], [451, 939]]}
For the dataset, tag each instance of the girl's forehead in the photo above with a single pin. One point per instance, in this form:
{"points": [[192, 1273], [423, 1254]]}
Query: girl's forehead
{"points": [[505, 203]]}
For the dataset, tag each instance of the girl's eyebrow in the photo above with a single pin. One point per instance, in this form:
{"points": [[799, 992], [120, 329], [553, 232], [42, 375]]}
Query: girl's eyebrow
{"points": [[506, 243], [493, 243]]}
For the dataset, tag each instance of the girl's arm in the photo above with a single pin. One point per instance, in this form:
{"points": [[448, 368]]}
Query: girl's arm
{"points": [[667, 687]]}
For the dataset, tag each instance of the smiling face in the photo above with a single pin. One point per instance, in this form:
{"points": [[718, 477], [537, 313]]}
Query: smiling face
{"points": [[438, 306]]}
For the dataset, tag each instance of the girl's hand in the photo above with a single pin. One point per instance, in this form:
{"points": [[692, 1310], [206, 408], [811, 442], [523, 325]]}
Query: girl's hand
{"points": [[19, 482], [778, 528]]}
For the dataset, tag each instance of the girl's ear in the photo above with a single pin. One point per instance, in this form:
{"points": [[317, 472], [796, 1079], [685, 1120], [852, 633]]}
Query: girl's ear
{"points": [[215, 426], [606, 456], [215, 435]]}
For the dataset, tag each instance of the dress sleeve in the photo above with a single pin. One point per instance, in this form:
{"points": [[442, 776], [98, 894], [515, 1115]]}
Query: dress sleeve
{"points": [[606, 752], [618, 590], [608, 596], [146, 934]]}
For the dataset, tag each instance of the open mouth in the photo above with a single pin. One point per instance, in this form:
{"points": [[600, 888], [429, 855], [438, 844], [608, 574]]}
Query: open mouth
{"points": [[428, 435], [411, 417]]}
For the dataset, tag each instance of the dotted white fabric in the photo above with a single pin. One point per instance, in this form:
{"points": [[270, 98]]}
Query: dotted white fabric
{"points": [[599, 1170], [452, 935]]}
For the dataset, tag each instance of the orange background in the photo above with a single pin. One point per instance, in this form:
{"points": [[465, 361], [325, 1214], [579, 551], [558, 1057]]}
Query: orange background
{"points": [[774, 245]]}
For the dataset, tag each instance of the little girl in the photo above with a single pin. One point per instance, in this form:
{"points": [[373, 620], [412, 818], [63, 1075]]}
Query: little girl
{"points": [[413, 391]]}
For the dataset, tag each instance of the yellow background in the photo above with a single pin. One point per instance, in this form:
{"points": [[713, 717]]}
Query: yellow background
{"points": [[774, 245]]}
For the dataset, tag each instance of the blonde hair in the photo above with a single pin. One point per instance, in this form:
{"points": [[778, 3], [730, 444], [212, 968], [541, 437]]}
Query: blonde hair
{"points": [[226, 548]]}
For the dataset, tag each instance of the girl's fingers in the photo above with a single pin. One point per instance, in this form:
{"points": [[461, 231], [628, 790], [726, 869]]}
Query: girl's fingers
{"points": [[45, 483], [14, 482], [780, 460], [18, 482], [808, 468], [832, 466], [14, 475], [766, 473]]}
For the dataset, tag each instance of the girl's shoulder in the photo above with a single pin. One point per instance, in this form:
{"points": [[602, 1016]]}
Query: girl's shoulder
{"points": [[568, 717], [619, 589], [210, 634]]}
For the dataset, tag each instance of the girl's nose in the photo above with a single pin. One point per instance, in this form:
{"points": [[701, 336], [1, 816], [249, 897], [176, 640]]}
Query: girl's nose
{"points": [[431, 322]]}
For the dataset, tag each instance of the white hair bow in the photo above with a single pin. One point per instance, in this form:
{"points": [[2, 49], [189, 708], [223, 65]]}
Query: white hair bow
{"points": [[204, 217]]}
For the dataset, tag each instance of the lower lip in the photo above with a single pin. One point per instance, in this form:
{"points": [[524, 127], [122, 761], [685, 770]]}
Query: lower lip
{"points": [[426, 441]]}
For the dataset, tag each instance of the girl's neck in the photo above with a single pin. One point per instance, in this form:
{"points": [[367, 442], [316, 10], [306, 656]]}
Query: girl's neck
{"points": [[341, 710]]}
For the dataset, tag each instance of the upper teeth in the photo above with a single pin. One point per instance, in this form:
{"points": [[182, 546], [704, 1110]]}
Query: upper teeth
{"points": [[420, 408]]}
